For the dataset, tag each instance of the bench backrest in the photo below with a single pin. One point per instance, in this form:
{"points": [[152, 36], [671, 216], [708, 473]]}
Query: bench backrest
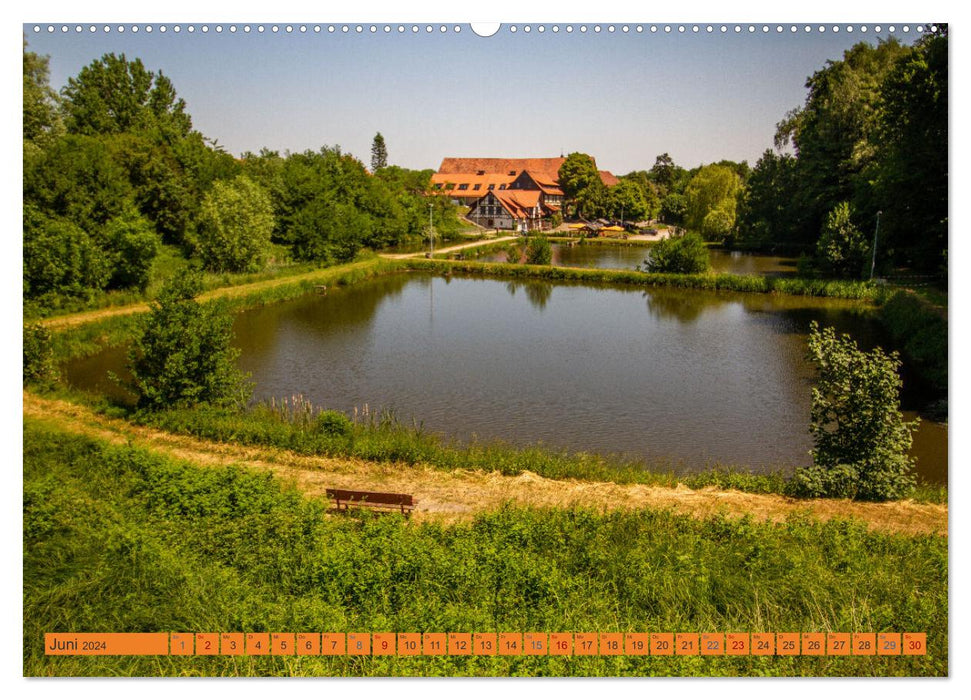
{"points": [[372, 497]]}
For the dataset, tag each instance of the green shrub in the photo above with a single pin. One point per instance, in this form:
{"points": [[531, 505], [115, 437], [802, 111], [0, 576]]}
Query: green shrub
{"points": [[685, 254], [859, 435], [184, 354], [38, 354], [539, 251]]}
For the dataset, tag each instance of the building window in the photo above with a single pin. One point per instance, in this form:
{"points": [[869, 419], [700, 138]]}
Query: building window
{"points": [[502, 187], [492, 187], [477, 186], [464, 186]]}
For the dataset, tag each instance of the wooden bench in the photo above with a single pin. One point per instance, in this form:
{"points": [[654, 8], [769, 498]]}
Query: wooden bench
{"points": [[373, 500]]}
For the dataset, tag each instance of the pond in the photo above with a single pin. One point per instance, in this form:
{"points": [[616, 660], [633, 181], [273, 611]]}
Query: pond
{"points": [[618, 256], [679, 378]]}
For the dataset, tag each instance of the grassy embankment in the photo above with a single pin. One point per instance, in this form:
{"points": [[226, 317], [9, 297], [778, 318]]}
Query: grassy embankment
{"points": [[119, 539], [842, 289]]}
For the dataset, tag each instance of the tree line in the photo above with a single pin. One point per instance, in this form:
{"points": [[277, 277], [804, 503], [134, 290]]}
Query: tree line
{"points": [[870, 139], [114, 173]]}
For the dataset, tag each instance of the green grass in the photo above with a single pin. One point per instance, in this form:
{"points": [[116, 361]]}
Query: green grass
{"points": [[119, 539]]}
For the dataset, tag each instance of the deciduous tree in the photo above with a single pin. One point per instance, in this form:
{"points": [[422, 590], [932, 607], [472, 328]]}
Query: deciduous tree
{"points": [[235, 225]]}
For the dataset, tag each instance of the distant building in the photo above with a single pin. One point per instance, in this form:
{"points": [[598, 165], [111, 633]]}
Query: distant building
{"points": [[525, 191], [518, 210]]}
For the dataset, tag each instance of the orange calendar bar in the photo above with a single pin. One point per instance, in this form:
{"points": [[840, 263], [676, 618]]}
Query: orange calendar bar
{"points": [[686, 644], [585, 644], [181, 644], [561, 644], [637, 644], [485, 644], [510, 644], [737, 644], [433, 643], [231, 643], [207, 644], [111, 644], [611, 644], [787, 643], [308, 644], [662, 644], [712, 644], [535, 644], [459, 644], [333, 644], [837, 644], [888, 644], [813, 643], [763, 643], [489, 644], [915, 644]]}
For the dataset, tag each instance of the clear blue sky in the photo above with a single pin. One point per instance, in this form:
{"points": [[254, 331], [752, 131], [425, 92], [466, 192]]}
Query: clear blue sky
{"points": [[623, 98]]}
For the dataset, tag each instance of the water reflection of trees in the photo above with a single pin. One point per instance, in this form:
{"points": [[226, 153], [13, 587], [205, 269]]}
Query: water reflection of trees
{"points": [[537, 292], [680, 305]]}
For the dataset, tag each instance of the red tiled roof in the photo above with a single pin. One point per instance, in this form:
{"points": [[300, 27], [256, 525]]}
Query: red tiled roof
{"points": [[471, 180], [500, 165], [608, 178]]}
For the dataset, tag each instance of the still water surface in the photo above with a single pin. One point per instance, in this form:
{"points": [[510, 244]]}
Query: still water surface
{"points": [[682, 378], [628, 257]]}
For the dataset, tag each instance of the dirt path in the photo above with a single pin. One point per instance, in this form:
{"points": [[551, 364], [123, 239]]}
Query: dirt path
{"points": [[457, 495], [83, 317], [450, 249]]}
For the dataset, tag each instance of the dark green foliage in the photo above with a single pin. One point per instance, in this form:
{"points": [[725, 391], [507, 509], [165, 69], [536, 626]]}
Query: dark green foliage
{"points": [[121, 539], [539, 251], [379, 153], [132, 244], [76, 178], [581, 184], [872, 133], [912, 156], [673, 208], [38, 354], [685, 254], [920, 329], [60, 259], [860, 438], [842, 250], [183, 355], [767, 212]]}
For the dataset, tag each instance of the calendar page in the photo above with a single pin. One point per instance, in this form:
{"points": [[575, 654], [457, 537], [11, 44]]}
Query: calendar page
{"points": [[533, 349]]}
